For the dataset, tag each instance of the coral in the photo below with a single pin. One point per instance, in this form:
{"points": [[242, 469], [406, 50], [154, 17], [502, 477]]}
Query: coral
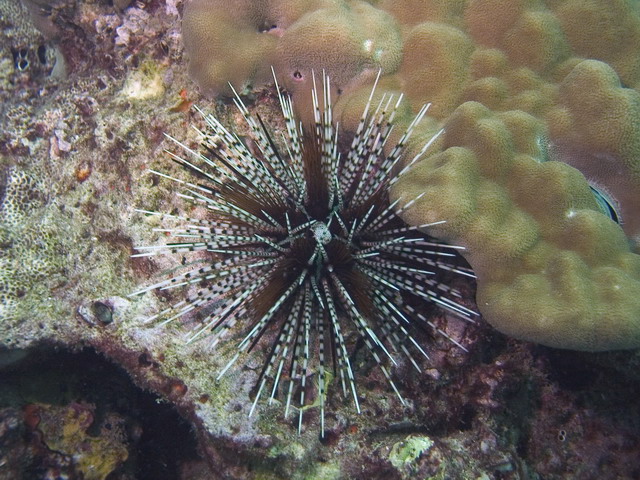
{"points": [[349, 40], [64, 430], [435, 65], [607, 31], [30, 247], [598, 133], [560, 79], [214, 34], [551, 260]]}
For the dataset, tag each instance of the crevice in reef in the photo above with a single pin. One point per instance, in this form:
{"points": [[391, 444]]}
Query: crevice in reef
{"points": [[49, 392]]}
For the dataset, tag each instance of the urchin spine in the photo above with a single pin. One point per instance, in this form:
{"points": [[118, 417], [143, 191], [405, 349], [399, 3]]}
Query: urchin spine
{"points": [[306, 243]]}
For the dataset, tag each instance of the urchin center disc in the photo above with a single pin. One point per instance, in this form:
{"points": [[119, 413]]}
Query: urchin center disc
{"points": [[321, 233]]}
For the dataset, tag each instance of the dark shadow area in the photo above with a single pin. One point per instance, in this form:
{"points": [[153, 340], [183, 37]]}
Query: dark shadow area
{"points": [[38, 382]]}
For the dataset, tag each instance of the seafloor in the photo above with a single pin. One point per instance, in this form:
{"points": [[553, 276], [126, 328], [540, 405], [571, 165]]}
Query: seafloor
{"points": [[87, 390]]}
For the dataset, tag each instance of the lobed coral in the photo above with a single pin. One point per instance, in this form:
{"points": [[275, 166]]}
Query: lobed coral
{"points": [[351, 41], [528, 91], [550, 266]]}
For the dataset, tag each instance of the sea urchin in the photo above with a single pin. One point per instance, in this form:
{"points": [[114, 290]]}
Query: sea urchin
{"points": [[304, 243]]}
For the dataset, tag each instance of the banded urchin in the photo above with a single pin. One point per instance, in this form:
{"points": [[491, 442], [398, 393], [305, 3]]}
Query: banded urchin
{"points": [[304, 243]]}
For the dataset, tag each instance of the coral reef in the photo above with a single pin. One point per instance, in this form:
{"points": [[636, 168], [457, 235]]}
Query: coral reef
{"points": [[558, 81], [551, 268], [505, 409]]}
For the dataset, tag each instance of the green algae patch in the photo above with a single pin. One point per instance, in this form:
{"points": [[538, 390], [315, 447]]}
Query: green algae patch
{"points": [[325, 471], [144, 83], [404, 454]]}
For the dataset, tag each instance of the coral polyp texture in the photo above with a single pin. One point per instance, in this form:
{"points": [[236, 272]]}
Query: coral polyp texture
{"points": [[32, 253], [538, 175], [304, 248], [351, 42]]}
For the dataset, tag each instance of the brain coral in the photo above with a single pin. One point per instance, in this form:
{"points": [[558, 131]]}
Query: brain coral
{"points": [[541, 105]]}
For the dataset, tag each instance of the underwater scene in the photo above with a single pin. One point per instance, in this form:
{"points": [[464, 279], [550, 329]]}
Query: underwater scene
{"points": [[319, 239]]}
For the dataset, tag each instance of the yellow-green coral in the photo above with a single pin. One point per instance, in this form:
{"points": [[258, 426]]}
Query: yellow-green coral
{"points": [[551, 268], [350, 40], [64, 429], [526, 90]]}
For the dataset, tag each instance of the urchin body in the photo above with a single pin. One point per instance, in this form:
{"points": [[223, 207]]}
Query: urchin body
{"points": [[307, 244]]}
